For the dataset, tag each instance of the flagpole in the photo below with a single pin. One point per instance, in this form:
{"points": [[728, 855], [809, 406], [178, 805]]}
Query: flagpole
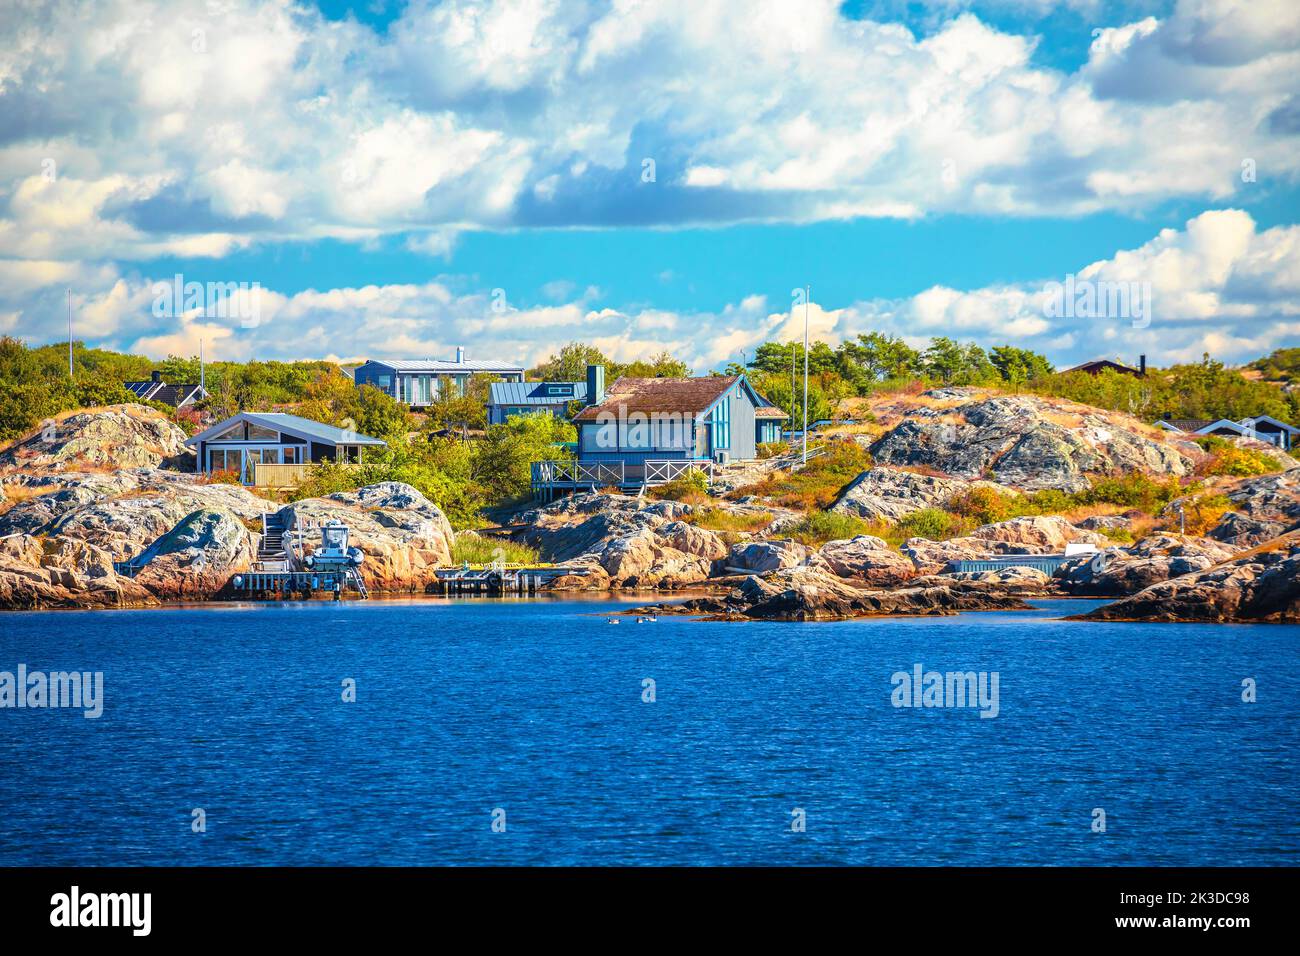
{"points": [[807, 293], [71, 374]]}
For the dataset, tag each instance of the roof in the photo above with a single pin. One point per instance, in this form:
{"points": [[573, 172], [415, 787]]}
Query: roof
{"points": [[1272, 421], [1104, 363], [298, 427], [1185, 424], [681, 396], [1194, 426], [534, 393], [442, 367], [766, 409], [174, 395]]}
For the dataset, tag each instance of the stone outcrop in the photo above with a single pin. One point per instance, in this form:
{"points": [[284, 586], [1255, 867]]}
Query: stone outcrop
{"points": [[1126, 570], [625, 542], [1258, 587], [864, 559], [808, 594], [62, 573], [1262, 509], [195, 559], [1023, 441], [403, 535], [756, 557], [113, 437], [888, 494], [125, 512]]}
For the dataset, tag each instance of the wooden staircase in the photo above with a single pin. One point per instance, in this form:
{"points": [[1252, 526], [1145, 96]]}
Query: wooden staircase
{"points": [[271, 552]]}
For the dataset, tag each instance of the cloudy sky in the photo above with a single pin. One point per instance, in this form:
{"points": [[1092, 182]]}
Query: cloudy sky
{"points": [[404, 177]]}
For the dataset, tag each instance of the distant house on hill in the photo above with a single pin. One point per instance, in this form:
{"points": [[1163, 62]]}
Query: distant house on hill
{"points": [[420, 382], [1261, 428], [249, 441], [1097, 366], [648, 431], [156, 390]]}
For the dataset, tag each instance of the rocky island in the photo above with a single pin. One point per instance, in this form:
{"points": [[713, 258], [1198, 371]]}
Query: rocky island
{"points": [[99, 510]]}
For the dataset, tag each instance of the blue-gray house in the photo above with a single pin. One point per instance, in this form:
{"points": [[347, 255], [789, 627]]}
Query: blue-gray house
{"points": [[508, 399], [647, 431], [244, 441], [420, 382]]}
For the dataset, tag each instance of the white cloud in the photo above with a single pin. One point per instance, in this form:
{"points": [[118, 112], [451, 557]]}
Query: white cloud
{"points": [[1219, 284], [173, 121]]}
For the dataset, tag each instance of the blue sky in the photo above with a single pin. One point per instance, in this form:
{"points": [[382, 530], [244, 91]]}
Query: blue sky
{"points": [[381, 170]]}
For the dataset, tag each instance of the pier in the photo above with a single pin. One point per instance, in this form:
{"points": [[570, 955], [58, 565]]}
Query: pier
{"points": [[498, 578]]}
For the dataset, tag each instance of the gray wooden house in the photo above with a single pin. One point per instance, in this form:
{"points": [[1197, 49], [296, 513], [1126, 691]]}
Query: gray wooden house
{"points": [[421, 382], [243, 442]]}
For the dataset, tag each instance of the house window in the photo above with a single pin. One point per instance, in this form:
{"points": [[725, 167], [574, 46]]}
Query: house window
{"points": [[290, 455], [385, 382], [722, 424]]}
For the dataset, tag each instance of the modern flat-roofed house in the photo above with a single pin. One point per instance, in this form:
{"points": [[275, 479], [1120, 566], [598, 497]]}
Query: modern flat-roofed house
{"points": [[243, 442], [648, 431], [508, 399], [1260, 428], [156, 390], [418, 382]]}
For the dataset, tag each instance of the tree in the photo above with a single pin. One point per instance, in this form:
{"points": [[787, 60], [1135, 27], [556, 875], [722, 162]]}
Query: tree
{"points": [[882, 356], [570, 364], [1017, 366]]}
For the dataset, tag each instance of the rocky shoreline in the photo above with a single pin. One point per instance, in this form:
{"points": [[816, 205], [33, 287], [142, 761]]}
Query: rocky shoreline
{"points": [[68, 524]]}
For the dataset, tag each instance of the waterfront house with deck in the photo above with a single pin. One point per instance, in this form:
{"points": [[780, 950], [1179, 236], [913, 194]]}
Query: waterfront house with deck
{"points": [[273, 448], [421, 382], [647, 431]]}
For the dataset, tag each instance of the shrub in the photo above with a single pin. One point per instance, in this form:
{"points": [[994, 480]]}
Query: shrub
{"points": [[822, 526], [1131, 490], [933, 523], [717, 519], [987, 505], [1238, 462], [478, 550], [770, 449], [1201, 513], [692, 487], [816, 486]]}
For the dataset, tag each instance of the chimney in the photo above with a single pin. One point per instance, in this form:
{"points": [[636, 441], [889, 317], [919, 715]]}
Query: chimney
{"points": [[155, 376], [460, 355], [1142, 366], [595, 384]]}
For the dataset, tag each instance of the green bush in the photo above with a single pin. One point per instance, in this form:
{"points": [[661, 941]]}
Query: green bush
{"points": [[933, 523], [822, 526], [473, 549], [692, 485]]}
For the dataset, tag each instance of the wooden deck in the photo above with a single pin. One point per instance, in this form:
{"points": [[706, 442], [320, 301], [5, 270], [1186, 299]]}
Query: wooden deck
{"points": [[550, 477]]}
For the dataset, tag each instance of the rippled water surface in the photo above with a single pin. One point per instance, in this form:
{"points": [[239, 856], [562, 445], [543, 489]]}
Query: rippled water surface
{"points": [[535, 707]]}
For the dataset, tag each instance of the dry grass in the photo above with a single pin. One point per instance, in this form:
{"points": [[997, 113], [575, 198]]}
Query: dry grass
{"points": [[16, 494], [719, 519]]}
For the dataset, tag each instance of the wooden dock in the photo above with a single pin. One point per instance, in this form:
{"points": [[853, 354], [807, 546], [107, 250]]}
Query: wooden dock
{"points": [[498, 578]]}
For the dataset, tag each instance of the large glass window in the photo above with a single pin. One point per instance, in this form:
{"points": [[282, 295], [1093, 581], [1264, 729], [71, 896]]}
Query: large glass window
{"points": [[722, 423]]}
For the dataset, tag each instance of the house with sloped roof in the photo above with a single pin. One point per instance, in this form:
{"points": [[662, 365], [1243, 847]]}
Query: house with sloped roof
{"points": [[647, 431], [421, 382], [154, 389], [243, 442], [1260, 427]]}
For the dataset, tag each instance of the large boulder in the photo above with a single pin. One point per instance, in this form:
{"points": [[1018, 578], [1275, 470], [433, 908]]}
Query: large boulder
{"points": [[1023, 441], [126, 512], [1127, 570], [1262, 509], [866, 559], [1259, 587], [809, 594], [889, 494], [113, 437], [198, 557], [757, 557], [404, 536], [62, 573]]}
